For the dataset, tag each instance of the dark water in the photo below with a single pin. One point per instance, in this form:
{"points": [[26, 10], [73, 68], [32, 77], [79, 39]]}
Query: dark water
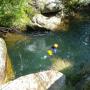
{"points": [[30, 55]]}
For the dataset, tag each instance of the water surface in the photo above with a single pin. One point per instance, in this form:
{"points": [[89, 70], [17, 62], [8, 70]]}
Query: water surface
{"points": [[30, 55]]}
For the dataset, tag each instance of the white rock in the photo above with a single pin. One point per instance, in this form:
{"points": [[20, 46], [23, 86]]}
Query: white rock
{"points": [[47, 6], [3, 52], [46, 22], [46, 80]]}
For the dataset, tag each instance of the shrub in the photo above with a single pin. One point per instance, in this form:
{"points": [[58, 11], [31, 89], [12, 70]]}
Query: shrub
{"points": [[12, 13]]}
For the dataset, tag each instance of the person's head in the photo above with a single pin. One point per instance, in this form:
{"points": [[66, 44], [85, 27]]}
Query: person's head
{"points": [[56, 45], [50, 52]]}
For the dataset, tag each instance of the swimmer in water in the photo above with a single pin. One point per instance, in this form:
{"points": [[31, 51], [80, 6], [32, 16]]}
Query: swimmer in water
{"points": [[52, 50]]}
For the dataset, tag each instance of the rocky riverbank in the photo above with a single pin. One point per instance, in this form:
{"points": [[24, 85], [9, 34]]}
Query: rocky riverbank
{"points": [[47, 14]]}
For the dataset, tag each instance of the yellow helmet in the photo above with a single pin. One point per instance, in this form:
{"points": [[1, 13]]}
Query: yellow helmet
{"points": [[50, 52], [55, 45]]}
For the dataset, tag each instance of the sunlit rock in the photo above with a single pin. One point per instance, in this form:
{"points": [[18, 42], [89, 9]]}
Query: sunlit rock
{"points": [[47, 6], [3, 52], [51, 23], [46, 80], [51, 14]]}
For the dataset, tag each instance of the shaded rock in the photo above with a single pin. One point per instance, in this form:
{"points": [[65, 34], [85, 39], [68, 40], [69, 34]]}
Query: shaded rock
{"points": [[51, 23], [46, 80], [3, 52], [47, 6]]}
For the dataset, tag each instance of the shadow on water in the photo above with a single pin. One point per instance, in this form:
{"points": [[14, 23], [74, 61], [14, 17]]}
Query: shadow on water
{"points": [[30, 55]]}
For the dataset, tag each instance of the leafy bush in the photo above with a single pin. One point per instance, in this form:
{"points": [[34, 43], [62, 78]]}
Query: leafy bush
{"points": [[12, 13]]}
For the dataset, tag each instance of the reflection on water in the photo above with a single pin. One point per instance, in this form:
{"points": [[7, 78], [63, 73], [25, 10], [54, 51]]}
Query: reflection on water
{"points": [[30, 55]]}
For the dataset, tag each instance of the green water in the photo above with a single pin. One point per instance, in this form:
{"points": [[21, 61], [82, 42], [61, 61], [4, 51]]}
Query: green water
{"points": [[28, 56]]}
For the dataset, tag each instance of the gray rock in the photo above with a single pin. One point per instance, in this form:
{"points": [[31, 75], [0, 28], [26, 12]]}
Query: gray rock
{"points": [[46, 80], [50, 13], [47, 6], [51, 23], [3, 52]]}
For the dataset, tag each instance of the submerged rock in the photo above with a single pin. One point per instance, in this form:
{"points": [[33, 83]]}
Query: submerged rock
{"points": [[46, 80], [3, 52]]}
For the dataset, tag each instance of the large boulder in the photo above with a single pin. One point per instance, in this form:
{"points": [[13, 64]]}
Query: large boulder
{"points": [[52, 12], [49, 15], [3, 52], [51, 23], [46, 80], [47, 6]]}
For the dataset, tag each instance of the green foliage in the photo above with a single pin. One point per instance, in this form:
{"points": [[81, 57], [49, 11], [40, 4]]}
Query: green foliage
{"points": [[30, 11], [72, 4], [12, 13]]}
